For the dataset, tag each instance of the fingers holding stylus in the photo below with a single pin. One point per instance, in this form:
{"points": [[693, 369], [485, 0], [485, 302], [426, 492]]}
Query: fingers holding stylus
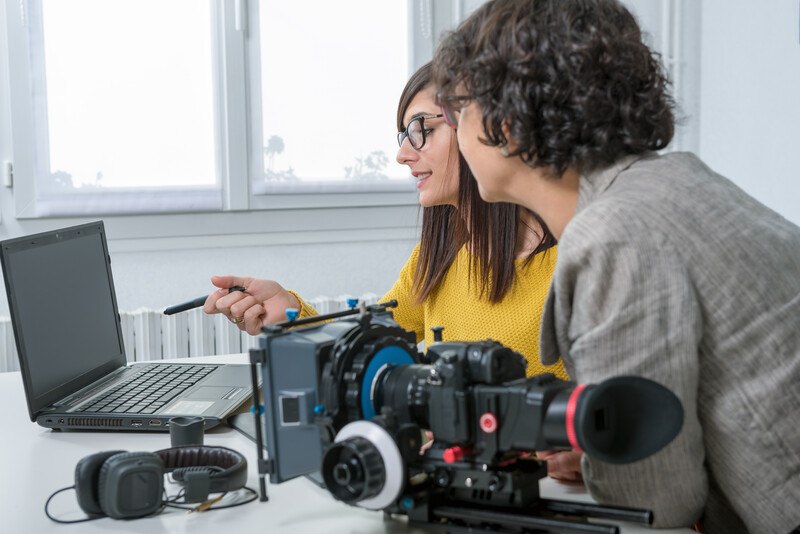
{"points": [[231, 289], [246, 313], [253, 319], [231, 283]]}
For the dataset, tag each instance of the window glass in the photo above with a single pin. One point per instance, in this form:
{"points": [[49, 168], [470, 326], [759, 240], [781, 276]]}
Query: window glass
{"points": [[125, 94], [331, 76]]}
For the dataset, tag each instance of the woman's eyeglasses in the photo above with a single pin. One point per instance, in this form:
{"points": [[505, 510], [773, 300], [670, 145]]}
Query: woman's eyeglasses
{"points": [[416, 132], [451, 107]]}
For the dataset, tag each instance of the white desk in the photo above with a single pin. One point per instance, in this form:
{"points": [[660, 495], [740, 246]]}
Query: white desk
{"points": [[36, 461]]}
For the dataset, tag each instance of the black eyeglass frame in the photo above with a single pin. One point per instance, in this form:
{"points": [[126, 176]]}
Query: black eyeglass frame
{"points": [[402, 136]]}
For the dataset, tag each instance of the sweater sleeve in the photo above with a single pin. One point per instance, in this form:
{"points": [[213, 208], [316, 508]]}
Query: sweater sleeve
{"points": [[409, 314], [629, 308], [306, 309]]}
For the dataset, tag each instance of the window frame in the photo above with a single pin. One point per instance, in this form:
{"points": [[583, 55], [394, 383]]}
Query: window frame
{"points": [[26, 145], [236, 142]]}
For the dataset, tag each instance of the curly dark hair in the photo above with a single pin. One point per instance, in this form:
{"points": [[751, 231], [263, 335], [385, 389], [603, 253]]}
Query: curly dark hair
{"points": [[571, 80]]}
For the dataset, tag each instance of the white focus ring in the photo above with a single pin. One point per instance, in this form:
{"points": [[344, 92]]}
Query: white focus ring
{"points": [[390, 454]]}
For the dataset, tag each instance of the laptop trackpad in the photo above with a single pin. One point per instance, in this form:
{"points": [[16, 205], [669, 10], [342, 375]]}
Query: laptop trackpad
{"points": [[209, 392]]}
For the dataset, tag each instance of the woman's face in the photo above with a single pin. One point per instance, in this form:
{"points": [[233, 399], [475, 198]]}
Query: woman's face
{"points": [[435, 164], [493, 172]]}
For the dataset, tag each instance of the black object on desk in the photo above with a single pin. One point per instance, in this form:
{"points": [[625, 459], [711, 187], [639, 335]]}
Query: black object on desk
{"points": [[186, 430]]}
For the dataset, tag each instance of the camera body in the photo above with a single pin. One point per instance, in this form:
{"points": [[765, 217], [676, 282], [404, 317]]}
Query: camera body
{"points": [[355, 399], [460, 397]]}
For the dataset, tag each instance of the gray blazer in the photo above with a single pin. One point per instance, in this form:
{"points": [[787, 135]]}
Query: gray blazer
{"points": [[670, 271]]}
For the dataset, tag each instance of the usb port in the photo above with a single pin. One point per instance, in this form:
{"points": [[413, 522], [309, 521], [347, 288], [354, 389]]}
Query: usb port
{"points": [[136, 422], [155, 422]]}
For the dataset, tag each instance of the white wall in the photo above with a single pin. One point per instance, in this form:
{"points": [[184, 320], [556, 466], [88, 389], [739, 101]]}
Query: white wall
{"points": [[155, 277], [738, 87], [159, 278], [750, 98]]}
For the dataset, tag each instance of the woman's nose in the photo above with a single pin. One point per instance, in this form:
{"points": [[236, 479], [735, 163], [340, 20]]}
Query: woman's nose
{"points": [[405, 154]]}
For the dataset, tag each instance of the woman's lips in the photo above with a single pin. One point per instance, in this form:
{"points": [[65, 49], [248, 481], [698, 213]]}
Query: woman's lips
{"points": [[422, 178]]}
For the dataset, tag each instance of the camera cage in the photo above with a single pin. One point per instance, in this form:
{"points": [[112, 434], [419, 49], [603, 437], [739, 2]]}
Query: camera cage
{"points": [[320, 380]]}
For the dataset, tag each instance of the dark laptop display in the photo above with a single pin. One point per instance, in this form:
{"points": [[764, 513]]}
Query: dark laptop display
{"points": [[67, 328]]}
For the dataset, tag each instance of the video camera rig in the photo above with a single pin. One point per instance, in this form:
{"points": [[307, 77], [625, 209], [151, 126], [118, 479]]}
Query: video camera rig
{"points": [[351, 397]]}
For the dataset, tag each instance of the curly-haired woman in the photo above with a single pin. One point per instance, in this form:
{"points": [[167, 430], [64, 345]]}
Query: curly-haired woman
{"points": [[665, 269]]}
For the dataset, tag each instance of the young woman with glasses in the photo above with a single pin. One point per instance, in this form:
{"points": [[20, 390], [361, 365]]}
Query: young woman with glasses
{"points": [[480, 270], [666, 269]]}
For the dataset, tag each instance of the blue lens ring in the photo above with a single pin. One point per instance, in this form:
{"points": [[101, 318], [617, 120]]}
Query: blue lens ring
{"points": [[391, 356]]}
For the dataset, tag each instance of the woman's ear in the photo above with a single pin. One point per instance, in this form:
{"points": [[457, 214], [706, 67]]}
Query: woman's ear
{"points": [[511, 145]]}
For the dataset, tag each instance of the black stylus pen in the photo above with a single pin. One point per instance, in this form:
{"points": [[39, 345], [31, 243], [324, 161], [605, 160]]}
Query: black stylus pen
{"points": [[196, 303]]}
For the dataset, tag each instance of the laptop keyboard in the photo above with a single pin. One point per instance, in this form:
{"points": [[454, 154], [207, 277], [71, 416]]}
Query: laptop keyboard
{"points": [[146, 392]]}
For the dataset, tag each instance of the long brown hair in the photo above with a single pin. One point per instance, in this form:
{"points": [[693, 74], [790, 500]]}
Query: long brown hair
{"points": [[489, 229]]}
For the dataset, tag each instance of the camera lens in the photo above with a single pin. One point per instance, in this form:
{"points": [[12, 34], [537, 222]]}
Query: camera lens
{"points": [[405, 389]]}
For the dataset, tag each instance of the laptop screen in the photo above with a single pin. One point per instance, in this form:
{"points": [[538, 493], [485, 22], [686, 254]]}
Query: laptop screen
{"points": [[63, 308]]}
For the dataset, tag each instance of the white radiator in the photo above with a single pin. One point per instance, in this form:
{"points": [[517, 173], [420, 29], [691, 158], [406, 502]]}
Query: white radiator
{"points": [[151, 335]]}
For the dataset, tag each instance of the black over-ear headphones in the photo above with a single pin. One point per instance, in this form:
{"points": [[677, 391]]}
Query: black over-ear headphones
{"points": [[125, 485]]}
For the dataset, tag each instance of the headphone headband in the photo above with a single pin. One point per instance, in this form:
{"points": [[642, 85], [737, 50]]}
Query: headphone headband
{"points": [[228, 468]]}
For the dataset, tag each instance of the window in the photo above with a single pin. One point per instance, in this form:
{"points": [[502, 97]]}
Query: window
{"points": [[123, 111], [329, 94], [145, 106]]}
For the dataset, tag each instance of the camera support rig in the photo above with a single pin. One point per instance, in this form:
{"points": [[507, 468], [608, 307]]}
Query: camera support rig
{"points": [[353, 396]]}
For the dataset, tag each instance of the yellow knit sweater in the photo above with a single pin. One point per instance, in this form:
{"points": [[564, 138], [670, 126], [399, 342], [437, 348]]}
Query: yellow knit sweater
{"points": [[457, 306]]}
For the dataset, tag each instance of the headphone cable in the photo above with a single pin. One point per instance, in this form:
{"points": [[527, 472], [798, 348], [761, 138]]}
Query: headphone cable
{"points": [[47, 511], [172, 503], [89, 518]]}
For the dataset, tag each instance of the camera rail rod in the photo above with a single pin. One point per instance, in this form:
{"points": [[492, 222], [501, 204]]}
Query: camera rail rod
{"points": [[264, 465], [277, 327], [482, 520]]}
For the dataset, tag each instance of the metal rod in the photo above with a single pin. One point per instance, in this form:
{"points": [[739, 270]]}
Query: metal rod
{"points": [[262, 482], [526, 520], [326, 317], [617, 513]]}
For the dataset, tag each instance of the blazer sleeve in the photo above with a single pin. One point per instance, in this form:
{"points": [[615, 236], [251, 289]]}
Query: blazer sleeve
{"points": [[629, 308], [409, 314]]}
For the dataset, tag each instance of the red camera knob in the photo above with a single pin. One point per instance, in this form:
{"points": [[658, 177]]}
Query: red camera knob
{"points": [[488, 422], [453, 454]]}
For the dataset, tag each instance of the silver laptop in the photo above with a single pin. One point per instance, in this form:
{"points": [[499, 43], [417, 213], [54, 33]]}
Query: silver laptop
{"points": [[67, 329]]}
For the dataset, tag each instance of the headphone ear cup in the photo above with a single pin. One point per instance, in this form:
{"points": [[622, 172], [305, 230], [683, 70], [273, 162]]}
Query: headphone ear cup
{"points": [[130, 485], [87, 474]]}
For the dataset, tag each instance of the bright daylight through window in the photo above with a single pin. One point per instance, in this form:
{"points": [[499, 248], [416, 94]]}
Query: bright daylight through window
{"points": [[115, 112], [129, 111], [329, 100]]}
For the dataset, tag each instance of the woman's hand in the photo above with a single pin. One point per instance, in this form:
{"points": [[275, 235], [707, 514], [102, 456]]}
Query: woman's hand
{"points": [[262, 302], [562, 465], [427, 442]]}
